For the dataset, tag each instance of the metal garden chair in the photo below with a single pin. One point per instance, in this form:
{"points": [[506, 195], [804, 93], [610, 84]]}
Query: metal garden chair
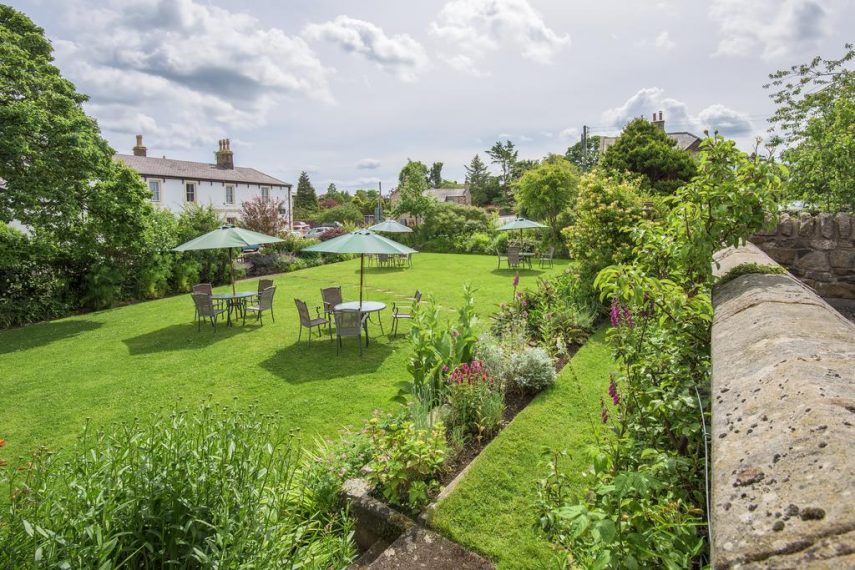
{"points": [[514, 257], [205, 309], [306, 320], [397, 314], [349, 324], [265, 303], [546, 258], [330, 296]]}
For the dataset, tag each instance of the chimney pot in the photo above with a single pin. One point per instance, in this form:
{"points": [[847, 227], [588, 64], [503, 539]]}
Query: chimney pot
{"points": [[139, 149], [225, 157]]}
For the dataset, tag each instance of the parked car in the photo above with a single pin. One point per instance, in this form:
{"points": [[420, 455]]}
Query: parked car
{"points": [[316, 232]]}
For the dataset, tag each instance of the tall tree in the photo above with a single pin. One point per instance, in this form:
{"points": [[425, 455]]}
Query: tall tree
{"points": [[645, 149], [435, 175], [505, 156], [305, 199], [584, 156], [814, 120], [411, 190], [478, 179], [546, 190]]}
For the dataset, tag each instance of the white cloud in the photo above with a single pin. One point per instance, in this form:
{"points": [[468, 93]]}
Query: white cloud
{"points": [[569, 133], [505, 136], [399, 54], [474, 28], [525, 138], [368, 164], [650, 100], [664, 42], [182, 72], [770, 28]]}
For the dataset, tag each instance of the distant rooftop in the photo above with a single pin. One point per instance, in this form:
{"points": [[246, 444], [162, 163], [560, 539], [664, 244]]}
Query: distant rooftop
{"points": [[223, 171]]}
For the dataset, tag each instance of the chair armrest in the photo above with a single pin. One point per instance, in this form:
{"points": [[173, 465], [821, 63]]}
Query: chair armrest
{"points": [[318, 311]]}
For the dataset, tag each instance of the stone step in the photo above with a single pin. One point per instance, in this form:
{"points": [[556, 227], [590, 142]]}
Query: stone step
{"points": [[421, 548]]}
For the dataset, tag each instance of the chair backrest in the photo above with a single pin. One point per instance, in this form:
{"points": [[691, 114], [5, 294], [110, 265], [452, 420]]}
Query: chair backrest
{"points": [[204, 304], [265, 299], [264, 284], [303, 311], [348, 323], [331, 297], [513, 255], [204, 288], [550, 252], [417, 297], [383, 257]]}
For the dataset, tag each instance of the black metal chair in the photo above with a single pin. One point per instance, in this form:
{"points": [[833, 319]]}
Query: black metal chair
{"points": [[265, 303], [205, 309]]}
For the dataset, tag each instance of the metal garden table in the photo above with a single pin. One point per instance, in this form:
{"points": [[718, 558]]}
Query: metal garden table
{"points": [[233, 301]]}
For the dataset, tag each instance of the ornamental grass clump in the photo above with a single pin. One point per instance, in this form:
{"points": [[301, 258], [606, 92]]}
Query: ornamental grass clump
{"points": [[204, 488]]}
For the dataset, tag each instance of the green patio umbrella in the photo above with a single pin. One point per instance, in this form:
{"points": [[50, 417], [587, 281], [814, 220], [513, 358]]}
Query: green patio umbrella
{"points": [[361, 242], [520, 224], [390, 226], [227, 237]]}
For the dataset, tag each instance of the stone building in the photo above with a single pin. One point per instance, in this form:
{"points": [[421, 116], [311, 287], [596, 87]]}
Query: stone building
{"points": [[684, 140]]}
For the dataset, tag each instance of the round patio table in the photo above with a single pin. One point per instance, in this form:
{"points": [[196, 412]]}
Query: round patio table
{"points": [[233, 301], [367, 307]]}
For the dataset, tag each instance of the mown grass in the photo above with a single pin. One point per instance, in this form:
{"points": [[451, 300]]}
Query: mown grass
{"points": [[134, 360], [492, 509]]}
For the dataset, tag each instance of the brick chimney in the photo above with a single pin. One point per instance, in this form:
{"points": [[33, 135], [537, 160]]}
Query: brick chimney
{"points": [[139, 149], [660, 122], [225, 156]]}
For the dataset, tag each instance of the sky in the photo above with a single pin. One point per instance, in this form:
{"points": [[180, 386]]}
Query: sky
{"points": [[348, 91]]}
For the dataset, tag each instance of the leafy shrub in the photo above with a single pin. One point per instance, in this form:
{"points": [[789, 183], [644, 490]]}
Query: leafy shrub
{"points": [[332, 233], [438, 346], [532, 370], [193, 489], [606, 211], [331, 463], [406, 460], [476, 402]]}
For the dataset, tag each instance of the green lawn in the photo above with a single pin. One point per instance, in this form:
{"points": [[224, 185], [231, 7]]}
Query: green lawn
{"points": [[491, 510], [141, 358]]}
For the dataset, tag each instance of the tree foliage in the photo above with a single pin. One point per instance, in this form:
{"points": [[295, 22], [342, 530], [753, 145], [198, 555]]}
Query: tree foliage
{"points": [[585, 157], [546, 190], [305, 199], [263, 216], [815, 121], [435, 175], [644, 149], [483, 186], [505, 156], [411, 190]]}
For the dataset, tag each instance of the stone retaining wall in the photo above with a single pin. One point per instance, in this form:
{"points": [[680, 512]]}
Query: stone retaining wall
{"points": [[783, 474], [819, 249]]}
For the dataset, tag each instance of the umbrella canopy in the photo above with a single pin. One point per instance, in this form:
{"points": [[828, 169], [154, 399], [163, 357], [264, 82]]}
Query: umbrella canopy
{"points": [[361, 242], [227, 237], [390, 226], [520, 224]]}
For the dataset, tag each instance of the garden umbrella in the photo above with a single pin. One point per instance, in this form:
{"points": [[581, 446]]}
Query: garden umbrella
{"points": [[390, 226], [361, 242], [520, 224], [227, 237]]}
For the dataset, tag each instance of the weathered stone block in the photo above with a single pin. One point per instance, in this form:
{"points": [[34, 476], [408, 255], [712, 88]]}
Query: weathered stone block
{"points": [[785, 227], [824, 244], [844, 225], [806, 223], [782, 255], [836, 290], [826, 225], [819, 276], [814, 261], [840, 258]]}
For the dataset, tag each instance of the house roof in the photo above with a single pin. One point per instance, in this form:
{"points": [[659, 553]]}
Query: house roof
{"points": [[185, 169], [685, 141], [442, 194]]}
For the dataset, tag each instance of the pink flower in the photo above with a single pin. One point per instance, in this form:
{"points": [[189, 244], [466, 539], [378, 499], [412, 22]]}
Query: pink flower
{"points": [[516, 279], [604, 413], [613, 392], [614, 314]]}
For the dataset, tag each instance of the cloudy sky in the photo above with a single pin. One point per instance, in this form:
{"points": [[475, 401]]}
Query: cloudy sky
{"points": [[349, 90]]}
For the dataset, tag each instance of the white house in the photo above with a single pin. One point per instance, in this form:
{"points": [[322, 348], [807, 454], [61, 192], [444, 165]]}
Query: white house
{"points": [[176, 183]]}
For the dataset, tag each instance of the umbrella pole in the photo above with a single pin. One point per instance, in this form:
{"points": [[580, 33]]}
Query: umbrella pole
{"points": [[232, 270], [361, 273]]}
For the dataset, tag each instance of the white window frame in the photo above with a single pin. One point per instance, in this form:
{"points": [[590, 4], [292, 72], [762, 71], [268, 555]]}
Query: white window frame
{"points": [[265, 193], [195, 186], [156, 197], [230, 194]]}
